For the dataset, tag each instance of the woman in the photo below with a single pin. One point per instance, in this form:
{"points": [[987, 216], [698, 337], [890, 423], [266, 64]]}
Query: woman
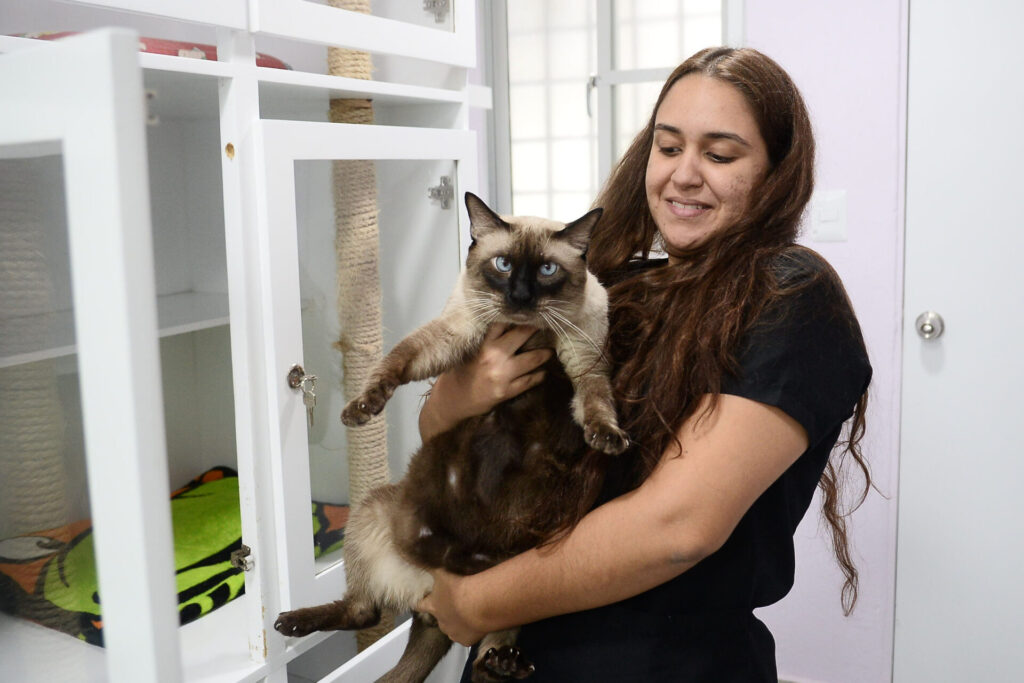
{"points": [[736, 362]]}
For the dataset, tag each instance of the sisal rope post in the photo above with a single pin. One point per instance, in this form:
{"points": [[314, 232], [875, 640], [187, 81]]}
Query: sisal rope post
{"points": [[33, 478], [34, 492], [358, 295]]}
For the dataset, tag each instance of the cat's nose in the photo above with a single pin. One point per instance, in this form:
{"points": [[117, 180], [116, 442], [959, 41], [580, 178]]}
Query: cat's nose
{"points": [[520, 295]]}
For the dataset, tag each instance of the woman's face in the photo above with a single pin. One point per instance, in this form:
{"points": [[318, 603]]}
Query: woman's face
{"points": [[707, 156]]}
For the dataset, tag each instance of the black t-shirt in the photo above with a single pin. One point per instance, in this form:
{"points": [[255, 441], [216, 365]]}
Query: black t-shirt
{"points": [[808, 361]]}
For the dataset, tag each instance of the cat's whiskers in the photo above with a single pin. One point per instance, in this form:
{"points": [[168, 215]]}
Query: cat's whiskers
{"points": [[557, 328], [586, 337], [485, 317]]}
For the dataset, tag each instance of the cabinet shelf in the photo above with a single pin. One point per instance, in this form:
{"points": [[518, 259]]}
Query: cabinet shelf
{"points": [[187, 88], [40, 337], [213, 650]]}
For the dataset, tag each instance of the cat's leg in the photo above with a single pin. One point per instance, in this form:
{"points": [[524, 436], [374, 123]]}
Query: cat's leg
{"points": [[594, 410], [426, 352], [366, 526], [378, 577], [498, 659], [426, 646], [593, 406], [349, 613]]}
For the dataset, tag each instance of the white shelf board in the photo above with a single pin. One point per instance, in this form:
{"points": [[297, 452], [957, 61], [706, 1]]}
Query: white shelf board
{"points": [[186, 65], [40, 337], [289, 83], [186, 87], [13, 43], [213, 650]]}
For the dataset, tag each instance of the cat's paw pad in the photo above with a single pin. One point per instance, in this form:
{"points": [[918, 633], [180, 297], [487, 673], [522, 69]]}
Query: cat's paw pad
{"points": [[505, 663], [294, 624], [370, 403], [606, 437]]}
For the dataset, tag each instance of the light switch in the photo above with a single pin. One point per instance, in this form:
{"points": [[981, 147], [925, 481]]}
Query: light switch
{"points": [[828, 216]]}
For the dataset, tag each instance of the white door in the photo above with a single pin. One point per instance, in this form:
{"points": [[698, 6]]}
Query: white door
{"points": [[77, 107], [422, 245], [959, 600], [421, 248]]}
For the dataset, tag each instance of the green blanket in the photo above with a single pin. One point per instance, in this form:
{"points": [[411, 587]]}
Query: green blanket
{"points": [[50, 576]]}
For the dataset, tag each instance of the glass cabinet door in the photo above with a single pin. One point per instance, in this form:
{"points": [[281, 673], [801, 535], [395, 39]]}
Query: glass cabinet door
{"points": [[83, 467], [332, 295]]}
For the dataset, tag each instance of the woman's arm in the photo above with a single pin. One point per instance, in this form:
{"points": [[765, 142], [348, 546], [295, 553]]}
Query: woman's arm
{"points": [[495, 374], [682, 513]]}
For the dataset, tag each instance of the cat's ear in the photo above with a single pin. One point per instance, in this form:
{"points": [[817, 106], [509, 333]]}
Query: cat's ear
{"points": [[481, 219], [578, 232]]}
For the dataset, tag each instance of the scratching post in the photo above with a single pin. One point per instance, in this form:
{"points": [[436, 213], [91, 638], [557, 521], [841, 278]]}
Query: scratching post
{"points": [[33, 479], [357, 246]]}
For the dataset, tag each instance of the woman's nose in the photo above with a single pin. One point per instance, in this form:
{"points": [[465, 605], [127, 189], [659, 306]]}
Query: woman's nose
{"points": [[687, 170]]}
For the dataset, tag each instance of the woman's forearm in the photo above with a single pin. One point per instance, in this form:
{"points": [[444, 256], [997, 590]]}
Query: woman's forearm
{"points": [[436, 415], [587, 569], [685, 510]]}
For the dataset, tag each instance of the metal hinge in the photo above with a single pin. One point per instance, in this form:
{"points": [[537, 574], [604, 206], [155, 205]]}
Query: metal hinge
{"points": [[240, 559], [438, 7], [445, 192]]}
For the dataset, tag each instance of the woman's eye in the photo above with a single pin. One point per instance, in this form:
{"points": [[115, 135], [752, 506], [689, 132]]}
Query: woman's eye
{"points": [[548, 268], [502, 264], [719, 159], [668, 151]]}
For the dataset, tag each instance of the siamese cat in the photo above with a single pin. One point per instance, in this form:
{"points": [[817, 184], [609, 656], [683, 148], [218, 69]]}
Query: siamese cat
{"points": [[497, 484]]}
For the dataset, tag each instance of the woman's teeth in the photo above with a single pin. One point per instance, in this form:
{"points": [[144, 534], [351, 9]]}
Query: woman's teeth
{"points": [[687, 206]]}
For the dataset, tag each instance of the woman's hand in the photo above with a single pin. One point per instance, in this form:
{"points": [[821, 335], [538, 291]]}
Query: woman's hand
{"points": [[495, 374], [447, 602]]}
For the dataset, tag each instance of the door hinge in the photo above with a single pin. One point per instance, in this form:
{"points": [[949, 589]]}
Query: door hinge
{"points": [[444, 192], [438, 7], [241, 558]]}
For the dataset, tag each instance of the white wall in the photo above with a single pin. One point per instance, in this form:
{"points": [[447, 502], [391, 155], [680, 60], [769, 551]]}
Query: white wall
{"points": [[848, 59]]}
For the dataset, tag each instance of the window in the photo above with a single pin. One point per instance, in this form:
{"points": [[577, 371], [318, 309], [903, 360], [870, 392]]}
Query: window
{"points": [[583, 76]]}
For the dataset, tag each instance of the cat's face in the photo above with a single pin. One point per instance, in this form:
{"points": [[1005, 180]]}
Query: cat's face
{"points": [[526, 270]]}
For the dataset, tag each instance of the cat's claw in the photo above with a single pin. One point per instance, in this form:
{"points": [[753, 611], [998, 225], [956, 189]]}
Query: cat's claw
{"points": [[361, 409], [505, 663], [606, 437], [292, 624]]}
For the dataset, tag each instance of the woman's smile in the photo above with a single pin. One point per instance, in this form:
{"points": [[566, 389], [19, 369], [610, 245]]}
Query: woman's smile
{"points": [[687, 209]]}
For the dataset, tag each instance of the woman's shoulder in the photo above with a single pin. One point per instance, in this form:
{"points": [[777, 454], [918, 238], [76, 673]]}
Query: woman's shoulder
{"points": [[798, 264]]}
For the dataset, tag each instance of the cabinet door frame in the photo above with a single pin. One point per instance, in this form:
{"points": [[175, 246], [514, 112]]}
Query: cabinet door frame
{"points": [[103, 144], [284, 143], [308, 21]]}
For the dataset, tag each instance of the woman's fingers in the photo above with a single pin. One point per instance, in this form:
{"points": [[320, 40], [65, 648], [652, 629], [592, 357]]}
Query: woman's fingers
{"points": [[524, 382], [495, 331], [512, 338], [528, 361]]}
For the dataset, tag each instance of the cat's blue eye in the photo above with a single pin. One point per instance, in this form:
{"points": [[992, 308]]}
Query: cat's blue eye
{"points": [[548, 268], [502, 264]]}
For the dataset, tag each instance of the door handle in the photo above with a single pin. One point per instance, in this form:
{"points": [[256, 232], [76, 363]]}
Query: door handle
{"points": [[930, 325]]}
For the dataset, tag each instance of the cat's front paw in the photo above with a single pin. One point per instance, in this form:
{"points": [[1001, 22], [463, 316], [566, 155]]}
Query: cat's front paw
{"points": [[297, 623], [505, 663], [370, 403], [606, 437]]}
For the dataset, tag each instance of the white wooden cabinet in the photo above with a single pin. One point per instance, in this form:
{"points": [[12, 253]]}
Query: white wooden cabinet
{"points": [[171, 274]]}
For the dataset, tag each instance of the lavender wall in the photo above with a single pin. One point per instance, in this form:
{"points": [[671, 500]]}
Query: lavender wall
{"points": [[848, 60]]}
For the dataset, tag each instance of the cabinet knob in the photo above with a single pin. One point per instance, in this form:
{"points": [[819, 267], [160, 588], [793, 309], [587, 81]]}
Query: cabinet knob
{"points": [[930, 325]]}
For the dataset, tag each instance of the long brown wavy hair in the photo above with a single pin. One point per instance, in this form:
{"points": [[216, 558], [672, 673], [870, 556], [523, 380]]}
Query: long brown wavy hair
{"points": [[675, 330]]}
